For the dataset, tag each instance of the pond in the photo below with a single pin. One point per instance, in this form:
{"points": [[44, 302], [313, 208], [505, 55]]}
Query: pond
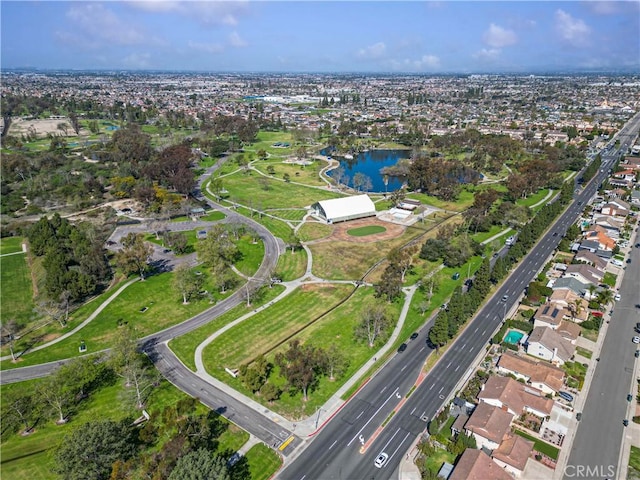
{"points": [[370, 163]]}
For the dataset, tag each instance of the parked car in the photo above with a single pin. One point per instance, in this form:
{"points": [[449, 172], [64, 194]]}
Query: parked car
{"points": [[381, 460], [455, 276], [402, 348], [414, 335], [629, 397], [566, 395], [636, 339], [579, 416], [617, 297]]}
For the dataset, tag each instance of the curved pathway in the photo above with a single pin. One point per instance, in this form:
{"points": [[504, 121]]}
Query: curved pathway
{"points": [[97, 312]]}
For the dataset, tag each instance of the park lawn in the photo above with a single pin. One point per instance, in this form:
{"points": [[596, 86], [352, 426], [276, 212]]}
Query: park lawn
{"points": [[265, 140], [534, 198], [214, 216], [277, 227], [165, 309], [29, 457], [267, 329], [288, 214], [185, 346], [305, 174], [265, 193], [251, 255], [464, 201], [494, 230], [355, 258], [263, 462], [16, 295], [53, 330], [312, 230], [540, 446], [181, 218], [291, 265], [10, 245], [366, 230]]}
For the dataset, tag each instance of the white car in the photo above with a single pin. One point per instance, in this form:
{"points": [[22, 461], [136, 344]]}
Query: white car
{"points": [[381, 460], [636, 339], [617, 297]]}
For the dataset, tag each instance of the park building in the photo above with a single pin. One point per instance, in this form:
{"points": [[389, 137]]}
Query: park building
{"points": [[344, 209]]}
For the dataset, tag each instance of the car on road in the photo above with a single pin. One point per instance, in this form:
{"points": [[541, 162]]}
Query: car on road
{"points": [[566, 396], [636, 339], [414, 335], [637, 354], [579, 416], [617, 297], [381, 460], [625, 422], [505, 298], [402, 348], [629, 397], [628, 260]]}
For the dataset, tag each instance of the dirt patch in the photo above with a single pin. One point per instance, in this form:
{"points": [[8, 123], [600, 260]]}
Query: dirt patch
{"points": [[340, 231]]}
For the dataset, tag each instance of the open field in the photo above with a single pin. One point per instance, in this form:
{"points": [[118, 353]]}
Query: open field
{"points": [[356, 258], [251, 255], [263, 462], [259, 334], [16, 295], [29, 457], [307, 174], [10, 245], [533, 198], [267, 139], [185, 346], [314, 231], [292, 265], [264, 193], [365, 231], [164, 309]]}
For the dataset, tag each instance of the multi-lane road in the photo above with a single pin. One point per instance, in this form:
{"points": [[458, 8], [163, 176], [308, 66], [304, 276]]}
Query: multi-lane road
{"points": [[347, 447]]}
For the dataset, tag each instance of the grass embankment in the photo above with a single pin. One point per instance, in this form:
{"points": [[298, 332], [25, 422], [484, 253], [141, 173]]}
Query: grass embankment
{"points": [[185, 346], [10, 245], [534, 198], [263, 462], [28, 457], [16, 295], [164, 308]]}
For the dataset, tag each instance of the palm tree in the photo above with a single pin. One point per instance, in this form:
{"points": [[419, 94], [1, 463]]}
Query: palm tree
{"points": [[604, 297]]}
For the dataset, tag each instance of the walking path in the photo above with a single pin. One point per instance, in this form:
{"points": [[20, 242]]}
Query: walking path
{"points": [[546, 198], [82, 325], [13, 253]]}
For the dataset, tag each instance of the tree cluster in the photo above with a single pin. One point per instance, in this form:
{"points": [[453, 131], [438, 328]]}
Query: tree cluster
{"points": [[73, 258], [440, 178]]}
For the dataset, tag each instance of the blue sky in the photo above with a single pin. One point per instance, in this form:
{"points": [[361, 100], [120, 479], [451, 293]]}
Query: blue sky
{"points": [[330, 36]]}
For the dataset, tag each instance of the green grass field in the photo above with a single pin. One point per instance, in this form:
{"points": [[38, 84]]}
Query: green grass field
{"points": [[494, 230], [308, 175], [533, 198], [366, 230], [263, 462], [28, 457], [10, 245], [251, 255], [259, 334], [185, 346], [314, 231], [164, 308], [16, 295], [292, 265], [634, 464], [542, 447]]}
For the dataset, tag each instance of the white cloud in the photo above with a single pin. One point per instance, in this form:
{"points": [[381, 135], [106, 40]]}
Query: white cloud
{"points": [[490, 54], [206, 47], [498, 37], [603, 8], [205, 12], [137, 60], [236, 41], [372, 52], [427, 62], [572, 30]]}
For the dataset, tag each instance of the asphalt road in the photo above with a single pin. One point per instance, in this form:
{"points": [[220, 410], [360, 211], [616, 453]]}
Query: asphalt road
{"points": [[336, 451]]}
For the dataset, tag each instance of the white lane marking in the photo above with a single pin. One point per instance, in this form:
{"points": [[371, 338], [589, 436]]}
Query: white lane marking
{"points": [[475, 330], [483, 331], [384, 389], [422, 349], [396, 450], [361, 413], [387, 444], [448, 364], [441, 388], [333, 444], [393, 394], [402, 369], [432, 386], [414, 409], [464, 345], [457, 368]]}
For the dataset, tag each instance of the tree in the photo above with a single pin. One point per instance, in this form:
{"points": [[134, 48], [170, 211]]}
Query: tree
{"points": [[429, 285], [51, 309], [10, 330], [91, 450], [141, 380], [270, 392], [439, 332], [336, 361], [187, 282], [390, 285], [374, 322], [124, 352], [200, 464], [300, 365], [604, 297], [19, 408], [361, 182], [135, 254], [75, 123], [57, 392], [217, 249], [402, 258]]}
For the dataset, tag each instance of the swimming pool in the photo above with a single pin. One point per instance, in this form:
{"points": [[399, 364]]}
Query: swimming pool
{"points": [[513, 337]]}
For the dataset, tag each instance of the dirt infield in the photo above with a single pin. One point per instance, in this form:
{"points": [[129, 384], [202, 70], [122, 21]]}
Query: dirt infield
{"points": [[340, 231]]}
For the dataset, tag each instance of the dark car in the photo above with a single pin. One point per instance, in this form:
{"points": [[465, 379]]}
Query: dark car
{"points": [[625, 422], [628, 260], [579, 416], [637, 354], [402, 348], [629, 397], [414, 335]]}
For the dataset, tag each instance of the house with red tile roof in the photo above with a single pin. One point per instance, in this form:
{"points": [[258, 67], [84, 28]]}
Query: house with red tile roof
{"points": [[541, 375], [489, 425], [476, 465], [513, 454]]}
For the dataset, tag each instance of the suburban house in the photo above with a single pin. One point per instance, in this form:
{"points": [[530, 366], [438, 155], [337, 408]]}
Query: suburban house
{"points": [[513, 454], [541, 375], [591, 258], [516, 397], [584, 273], [635, 197], [616, 207], [549, 315], [476, 465], [611, 224], [549, 345], [489, 425], [570, 283], [599, 235], [571, 303]]}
